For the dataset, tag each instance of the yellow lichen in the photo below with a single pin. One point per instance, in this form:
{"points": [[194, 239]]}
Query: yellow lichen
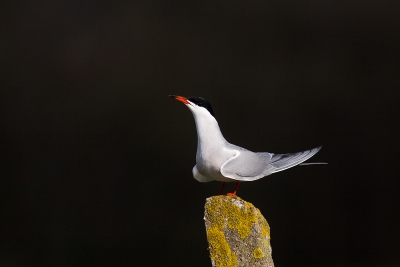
{"points": [[258, 253], [239, 218], [264, 224], [234, 213], [219, 249]]}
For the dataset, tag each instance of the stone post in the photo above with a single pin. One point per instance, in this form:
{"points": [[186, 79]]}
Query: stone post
{"points": [[237, 233]]}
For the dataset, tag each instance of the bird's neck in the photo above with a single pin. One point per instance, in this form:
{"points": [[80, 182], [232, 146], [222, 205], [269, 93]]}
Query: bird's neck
{"points": [[209, 133]]}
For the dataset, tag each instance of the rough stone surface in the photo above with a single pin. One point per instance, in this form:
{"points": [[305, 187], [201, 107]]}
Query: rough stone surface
{"points": [[237, 233]]}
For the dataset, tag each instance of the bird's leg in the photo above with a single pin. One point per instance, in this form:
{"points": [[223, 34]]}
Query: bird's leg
{"points": [[234, 192], [223, 187]]}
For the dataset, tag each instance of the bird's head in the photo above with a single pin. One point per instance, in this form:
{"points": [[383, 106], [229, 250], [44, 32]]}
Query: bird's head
{"points": [[198, 105]]}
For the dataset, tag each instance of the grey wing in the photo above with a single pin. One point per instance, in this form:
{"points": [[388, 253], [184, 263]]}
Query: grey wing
{"points": [[250, 166], [281, 162], [245, 166]]}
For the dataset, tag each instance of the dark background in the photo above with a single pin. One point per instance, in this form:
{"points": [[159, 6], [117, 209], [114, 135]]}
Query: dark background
{"points": [[97, 159]]}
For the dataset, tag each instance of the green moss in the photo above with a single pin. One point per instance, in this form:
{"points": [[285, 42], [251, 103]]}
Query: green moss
{"points": [[258, 253]]}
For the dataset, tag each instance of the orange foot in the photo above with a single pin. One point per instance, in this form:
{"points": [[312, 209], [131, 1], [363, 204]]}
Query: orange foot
{"points": [[231, 194]]}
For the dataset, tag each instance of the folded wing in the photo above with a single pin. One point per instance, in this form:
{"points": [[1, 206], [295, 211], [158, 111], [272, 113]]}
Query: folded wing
{"points": [[250, 166], [246, 166]]}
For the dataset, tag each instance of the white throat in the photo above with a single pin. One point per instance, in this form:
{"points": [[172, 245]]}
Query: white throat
{"points": [[209, 134]]}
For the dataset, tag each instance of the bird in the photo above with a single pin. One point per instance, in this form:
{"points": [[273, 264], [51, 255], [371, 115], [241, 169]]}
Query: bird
{"points": [[219, 160]]}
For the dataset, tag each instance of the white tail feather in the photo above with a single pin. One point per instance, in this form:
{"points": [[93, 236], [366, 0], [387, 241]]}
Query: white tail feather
{"points": [[312, 163]]}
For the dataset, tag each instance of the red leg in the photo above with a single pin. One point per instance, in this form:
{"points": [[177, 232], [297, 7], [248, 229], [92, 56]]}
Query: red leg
{"points": [[234, 192], [223, 187]]}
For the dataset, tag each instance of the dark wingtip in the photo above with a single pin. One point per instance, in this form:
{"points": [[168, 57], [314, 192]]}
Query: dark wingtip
{"points": [[173, 96]]}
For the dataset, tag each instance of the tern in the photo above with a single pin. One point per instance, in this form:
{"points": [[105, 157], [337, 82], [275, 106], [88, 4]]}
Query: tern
{"points": [[219, 160]]}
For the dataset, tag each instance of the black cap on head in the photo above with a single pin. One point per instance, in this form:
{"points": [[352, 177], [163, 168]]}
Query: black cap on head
{"points": [[201, 102]]}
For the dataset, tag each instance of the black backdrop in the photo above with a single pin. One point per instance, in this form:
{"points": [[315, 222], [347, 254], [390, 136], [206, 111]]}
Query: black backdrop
{"points": [[96, 158]]}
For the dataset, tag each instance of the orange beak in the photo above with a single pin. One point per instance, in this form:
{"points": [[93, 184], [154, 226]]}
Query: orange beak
{"points": [[180, 98]]}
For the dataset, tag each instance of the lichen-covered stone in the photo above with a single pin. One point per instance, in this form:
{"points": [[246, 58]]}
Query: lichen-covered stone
{"points": [[237, 233]]}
